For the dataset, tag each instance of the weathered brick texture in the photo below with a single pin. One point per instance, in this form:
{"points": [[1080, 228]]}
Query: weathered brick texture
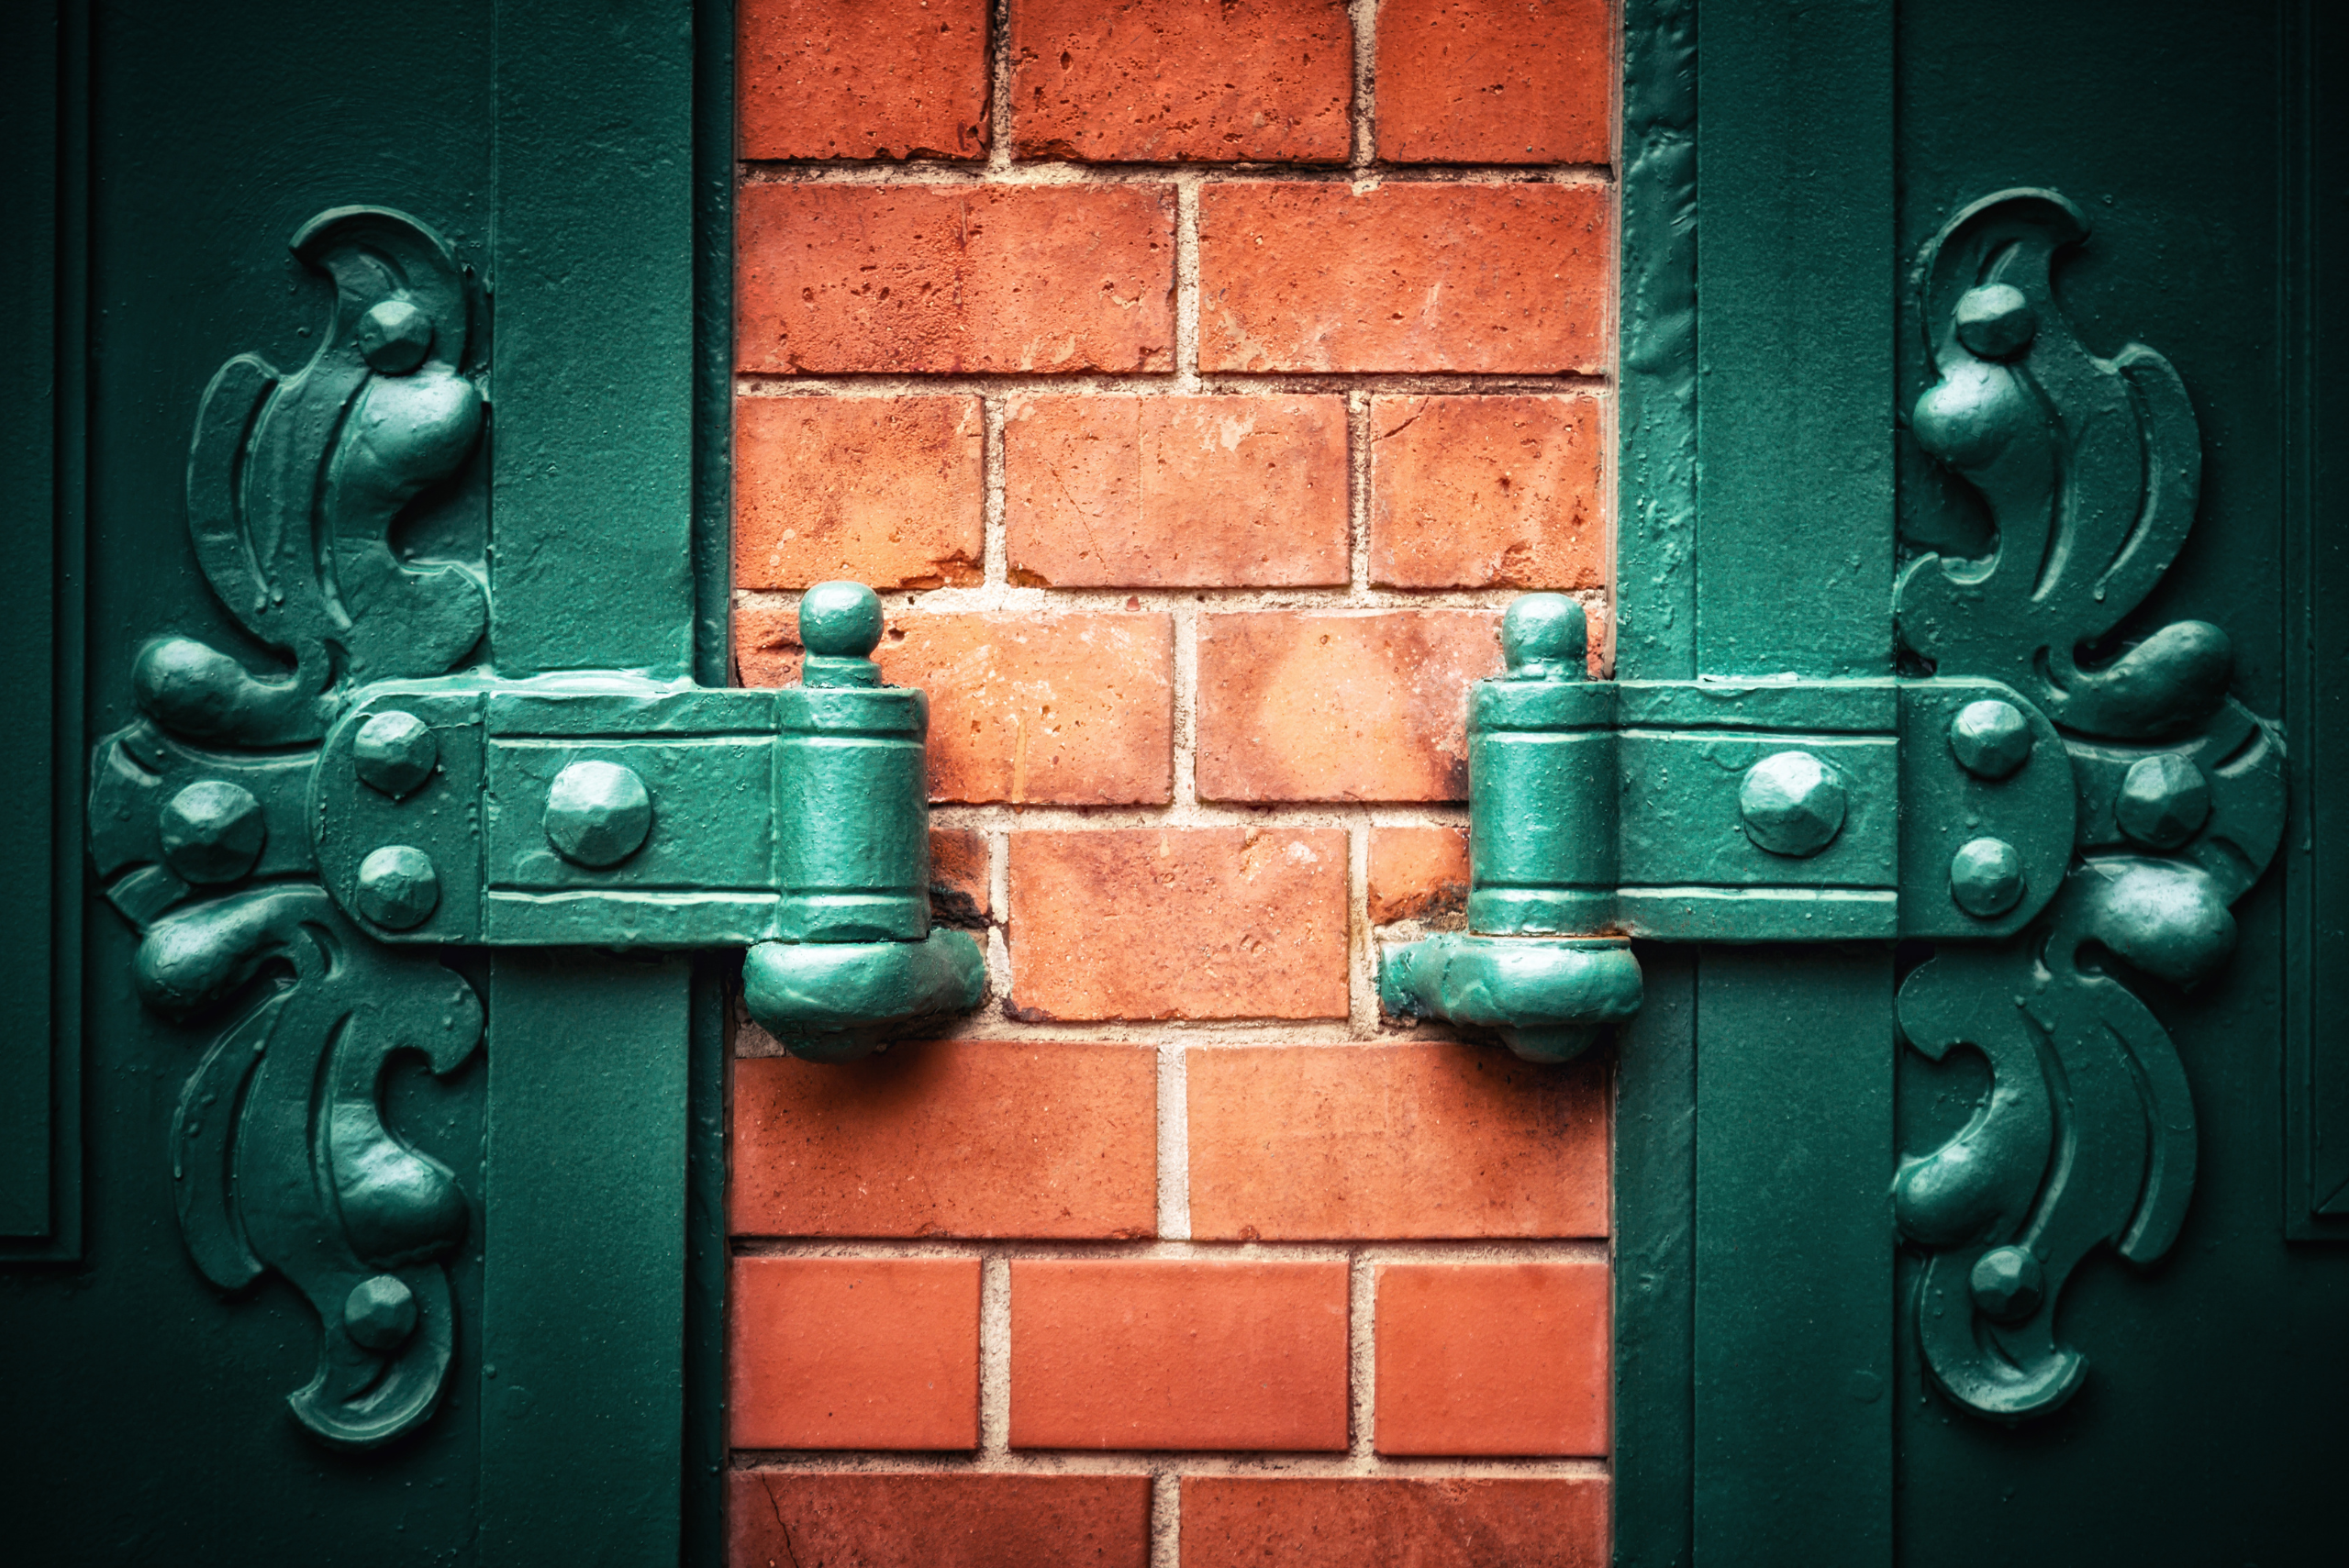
{"points": [[1196, 405], [888, 491], [1297, 707], [1417, 874], [856, 79], [1495, 81], [959, 876], [802, 1519], [1071, 711], [1487, 493], [1410, 1139], [1131, 1353], [1175, 491], [1141, 81], [1178, 923], [1229, 1521], [855, 1353], [837, 278], [1403, 277], [1493, 1358], [950, 1138]]}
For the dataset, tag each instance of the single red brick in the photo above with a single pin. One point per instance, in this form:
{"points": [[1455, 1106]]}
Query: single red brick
{"points": [[1417, 873], [949, 1137], [959, 875], [1168, 491], [1178, 923], [1297, 707], [1487, 493], [856, 79], [1156, 80], [855, 1353], [1473, 81], [885, 490], [1235, 1522], [1065, 709], [1076, 710], [1409, 1140], [931, 278], [1493, 1358], [1404, 277], [814, 1519], [1139, 1353]]}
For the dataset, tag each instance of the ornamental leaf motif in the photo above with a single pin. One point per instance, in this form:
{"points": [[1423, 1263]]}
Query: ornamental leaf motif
{"points": [[2091, 468], [200, 831]]}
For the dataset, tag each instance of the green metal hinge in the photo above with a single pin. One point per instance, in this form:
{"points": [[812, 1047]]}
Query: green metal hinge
{"points": [[298, 848], [2062, 811], [1723, 810]]}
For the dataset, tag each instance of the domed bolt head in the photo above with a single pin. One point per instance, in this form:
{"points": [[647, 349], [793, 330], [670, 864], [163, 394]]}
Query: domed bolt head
{"points": [[1545, 636], [1995, 321], [1985, 878], [379, 1313], [1991, 738], [212, 831], [394, 337], [2164, 801], [840, 620], [393, 753], [1792, 804], [398, 889], [2009, 1284], [597, 814]]}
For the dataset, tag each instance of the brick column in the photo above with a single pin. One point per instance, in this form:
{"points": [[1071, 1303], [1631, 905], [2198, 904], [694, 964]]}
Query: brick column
{"points": [[1197, 380]]}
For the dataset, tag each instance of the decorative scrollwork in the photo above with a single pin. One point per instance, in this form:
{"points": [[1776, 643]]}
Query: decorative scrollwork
{"points": [[280, 1158], [294, 483], [2091, 469]]}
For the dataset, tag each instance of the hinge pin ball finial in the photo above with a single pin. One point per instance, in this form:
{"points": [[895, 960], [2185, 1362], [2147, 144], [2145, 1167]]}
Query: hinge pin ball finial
{"points": [[840, 620], [1545, 638]]}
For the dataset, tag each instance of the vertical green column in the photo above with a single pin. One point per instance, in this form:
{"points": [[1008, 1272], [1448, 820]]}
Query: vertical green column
{"points": [[582, 1375], [1794, 551], [29, 576], [591, 566], [1655, 639], [1796, 279]]}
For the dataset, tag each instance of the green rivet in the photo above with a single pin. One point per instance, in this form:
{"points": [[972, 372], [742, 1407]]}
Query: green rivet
{"points": [[1990, 737], [840, 620], [597, 813], [1792, 804], [379, 1313], [393, 753], [2164, 801], [397, 887], [1995, 321], [1985, 878], [212, 831], [395, 336], [1544, 637], [2009, 1284]]}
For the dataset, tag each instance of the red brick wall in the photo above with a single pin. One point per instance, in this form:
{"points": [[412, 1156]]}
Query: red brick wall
{"points": [[1196, 379]]}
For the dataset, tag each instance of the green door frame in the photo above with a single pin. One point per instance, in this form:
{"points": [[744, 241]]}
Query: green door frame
{"points": [[1757, 1415], [1752, 1368], [599, 1384]]}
